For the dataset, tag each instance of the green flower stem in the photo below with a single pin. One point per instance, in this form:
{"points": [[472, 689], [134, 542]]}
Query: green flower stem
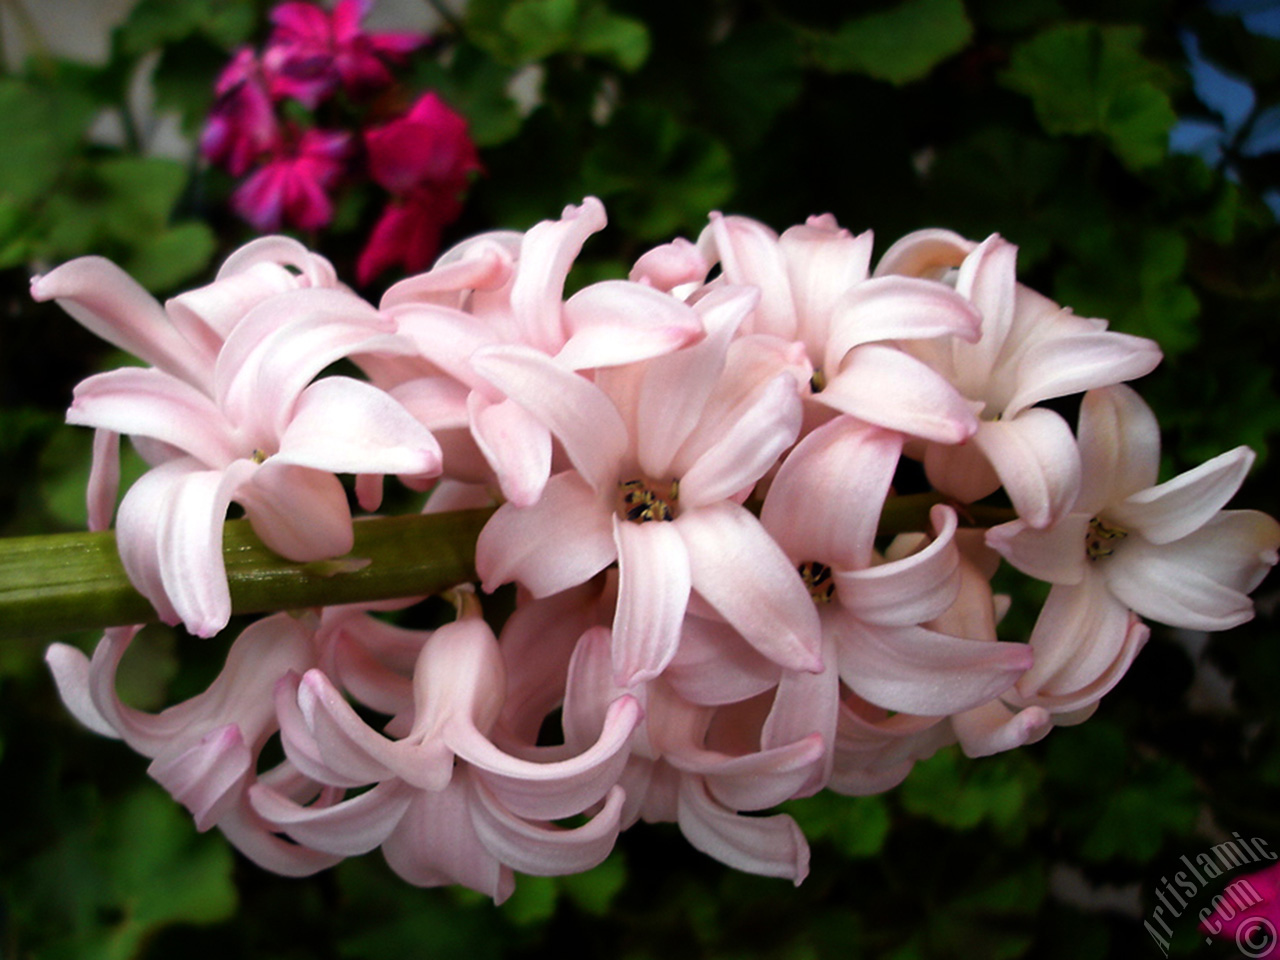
{"points": [[74, 581], [64, 582]]}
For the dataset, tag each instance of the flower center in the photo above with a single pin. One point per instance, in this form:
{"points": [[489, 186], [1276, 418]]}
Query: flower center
{"points": [[818, 380], [643, 500], [817, 578], [1101, 538]]}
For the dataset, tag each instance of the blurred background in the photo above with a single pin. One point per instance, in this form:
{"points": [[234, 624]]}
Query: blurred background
{"points": [[1131, 148]]}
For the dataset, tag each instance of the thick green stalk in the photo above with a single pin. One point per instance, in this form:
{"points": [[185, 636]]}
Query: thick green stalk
{"points": [[74, 581]]}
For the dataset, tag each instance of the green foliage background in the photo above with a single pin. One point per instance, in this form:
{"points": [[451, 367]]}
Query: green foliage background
{"points": [[1045, 120]]}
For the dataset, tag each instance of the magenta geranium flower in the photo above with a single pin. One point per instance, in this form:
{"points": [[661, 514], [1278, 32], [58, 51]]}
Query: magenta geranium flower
{"points": [[242, 125], [1251, 925], [313, 51], [425, 160], [293, 188]]}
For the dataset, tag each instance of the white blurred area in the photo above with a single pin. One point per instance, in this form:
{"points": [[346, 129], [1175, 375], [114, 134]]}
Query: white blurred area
{"points": [[75, 29]]}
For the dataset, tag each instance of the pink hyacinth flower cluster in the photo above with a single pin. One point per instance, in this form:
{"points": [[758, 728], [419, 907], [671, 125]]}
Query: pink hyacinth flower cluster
{"points": [[736, 496], [321, 63]]}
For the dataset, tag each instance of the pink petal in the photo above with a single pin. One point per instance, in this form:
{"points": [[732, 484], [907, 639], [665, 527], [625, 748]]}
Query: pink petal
{"points": [[1200, 582], [911, 590], [886, 387], [208, 777], [670, 265], [823, 263], [484, 262], [350, 748], [807, 704], [1055, 554], [547, 253], [554, 790], [961, 471], [538, 645], [768, 846], [1119, 447], [714, 665], [72, 675], [284, 342], [616, 322], [347, 828], [546, 850], [1036, 458], [926, 253], [747, 446], [675, 389], [747, 578], [249, 834], [348, 426], [573, 408], [653, 592], [312, 270], [563, 540], [760, 780], [988, 278], [112, 305], [104, 479], [300, 513], [993, 728], [1180, 506], [914, 670], [148, 402], [898, 308], [1082, 631], [824, 503], [449, 337], [436, 844], [749, 255], [1064, 365], [516, 445], [170, 539]]}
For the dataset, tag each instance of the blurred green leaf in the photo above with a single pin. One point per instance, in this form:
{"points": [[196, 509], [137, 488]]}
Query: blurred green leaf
{"points": [[386, 917], [1089, 79], [901, 44], [536, 29], [41, 129], [121, 209], [960, 793], [533, 902], [1145, 798], [857, 826], [752, 77], [610, 36], [1135, 279], [526, 31], [657, 176], [990, 918], [595, 891], [105, 888], [153, 24], [171, 255]]}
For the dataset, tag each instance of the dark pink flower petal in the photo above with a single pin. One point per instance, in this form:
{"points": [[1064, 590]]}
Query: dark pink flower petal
{"points": [[242, 124], [292, 188]]}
